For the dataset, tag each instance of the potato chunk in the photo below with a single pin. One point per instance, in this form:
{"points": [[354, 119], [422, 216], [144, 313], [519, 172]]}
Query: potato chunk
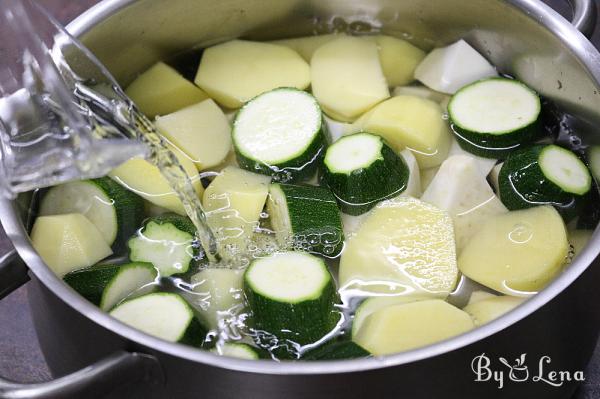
{"points": [[201, 131], [410, 122], [144, 179], [68, 242], [411, 325], [517, 252], [399, 59], [234, 72], [162, 90], [403, 246], [347, 78], [306, 46], [489, 309]]}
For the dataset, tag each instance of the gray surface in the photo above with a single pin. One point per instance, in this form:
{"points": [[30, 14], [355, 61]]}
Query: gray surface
{"points": [[20, 356]]}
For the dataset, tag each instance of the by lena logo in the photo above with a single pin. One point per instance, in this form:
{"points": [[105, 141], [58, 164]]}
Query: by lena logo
{"points": [[518, 371]]}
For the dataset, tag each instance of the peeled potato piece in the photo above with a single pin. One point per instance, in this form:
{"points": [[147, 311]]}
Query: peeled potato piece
{"points": [[411, 325], [144, 179], [403, 246], [306, 46], [398, 58], [410, 122], [373, 304], [201, 131], [162, 90], [68, 242], [517, 252], [489, 309], [233, 202], [234, 72], [347, 78]]}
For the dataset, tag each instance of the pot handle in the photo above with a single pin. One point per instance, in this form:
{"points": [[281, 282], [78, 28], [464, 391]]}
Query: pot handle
{"points": [[94, 381], [13, 273], [584, 16]]}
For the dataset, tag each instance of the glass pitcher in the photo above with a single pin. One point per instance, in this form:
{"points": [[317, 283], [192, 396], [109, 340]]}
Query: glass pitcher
{"points": [[62, 115]]}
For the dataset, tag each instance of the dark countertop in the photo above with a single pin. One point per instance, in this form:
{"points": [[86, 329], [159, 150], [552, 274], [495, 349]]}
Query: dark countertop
{"points": [[21, 358]]}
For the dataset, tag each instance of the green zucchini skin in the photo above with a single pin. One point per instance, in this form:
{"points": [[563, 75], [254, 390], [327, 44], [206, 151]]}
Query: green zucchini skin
{"points": [[522, 184], [195, 335], [337, 350], [315, 219], [301, 168], [302, 323], [90, 282], [129, 216], [362, 189], [294, 170]]}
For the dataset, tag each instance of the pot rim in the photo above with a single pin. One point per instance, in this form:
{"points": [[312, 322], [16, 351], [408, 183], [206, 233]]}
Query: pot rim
{"points": [[539, 12]]}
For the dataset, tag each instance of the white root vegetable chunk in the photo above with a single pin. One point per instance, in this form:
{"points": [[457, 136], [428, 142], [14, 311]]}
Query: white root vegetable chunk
{"points": [[411, 325], [201, 131], [489, 309], [162, 90], [427, 176], [306, 46], [218, 295], [410, 122], [68, 242], [447, 69], [485, 165], [233, 202], [404, 246], [413, 188], [460, 189], [347, 78], [144, 179], [518, 252], [234, 72], [398, 58], [336, 129]]}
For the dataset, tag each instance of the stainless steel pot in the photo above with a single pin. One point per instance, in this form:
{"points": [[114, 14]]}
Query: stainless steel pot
{"points": [[522, 37]]}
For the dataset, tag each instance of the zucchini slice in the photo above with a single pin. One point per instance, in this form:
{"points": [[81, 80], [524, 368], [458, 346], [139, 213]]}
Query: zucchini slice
{"points": [[306, 217], [280, 133], [168, 242], [337, 350], [493, 117], [362, 170], [113, 209], [107, 285], [544, 175], [163, 315], [292, 296]]}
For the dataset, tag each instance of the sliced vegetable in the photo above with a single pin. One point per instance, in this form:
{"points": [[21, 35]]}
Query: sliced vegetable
{"points": [[485, 165], [107, 285], [398, 59], [144, 179], [306, 46], [447, 69], [168, 242], [361, 170], [162, 90], [337, 350], [280, 133], [163, 315], [234, 202], [593, 155], [412, 325], [292, 296], [413, 187], [114, 210], [517, 252], [306, 218], [420, 91], [352, 223], [335, 129], [494, 177], [410, 122], [201, 131], [493, 117], [544, 174], [460, 189], [239, 350], [218, 295], [404, 247], [347, 78], [373, 304], [234, 72], [68, 242], [427, 176], [490, 309]]}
